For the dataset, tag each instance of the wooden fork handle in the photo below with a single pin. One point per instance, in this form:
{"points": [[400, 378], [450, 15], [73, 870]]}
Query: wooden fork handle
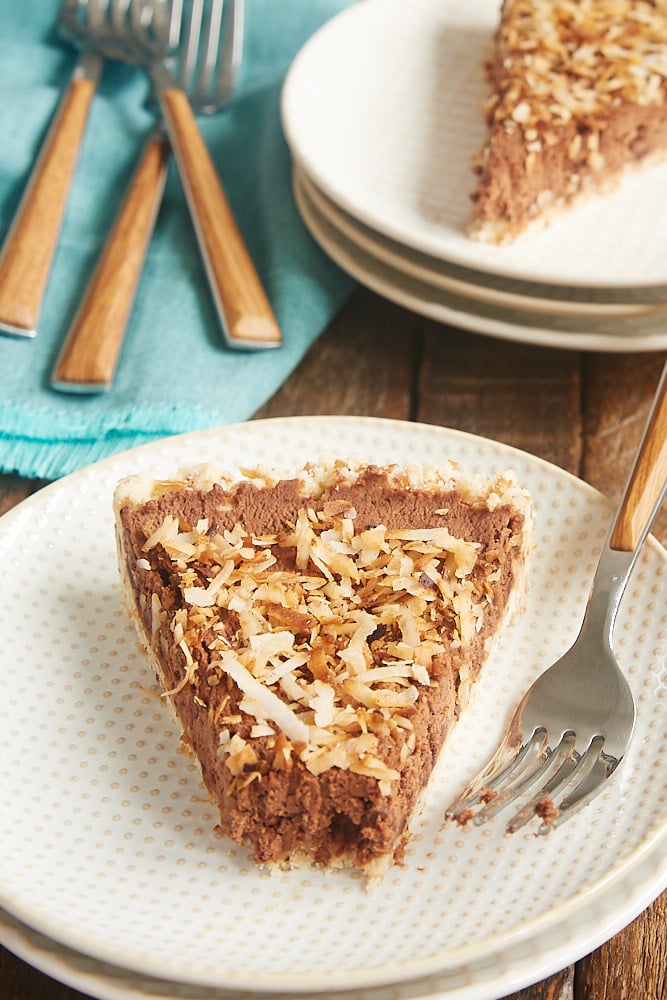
{"points": [[246, 315], [89, 356], [647, 479], [31, 242]]}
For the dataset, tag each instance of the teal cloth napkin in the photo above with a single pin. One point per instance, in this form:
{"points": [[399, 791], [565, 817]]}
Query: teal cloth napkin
{"points": [[175, 374]]}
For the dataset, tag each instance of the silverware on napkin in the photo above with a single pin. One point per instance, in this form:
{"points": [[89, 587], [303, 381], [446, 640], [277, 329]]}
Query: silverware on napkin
{"points": [[209, 53]]}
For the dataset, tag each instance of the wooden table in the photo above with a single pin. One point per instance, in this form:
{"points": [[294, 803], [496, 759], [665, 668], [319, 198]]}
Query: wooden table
{"points": [[584, 412]]}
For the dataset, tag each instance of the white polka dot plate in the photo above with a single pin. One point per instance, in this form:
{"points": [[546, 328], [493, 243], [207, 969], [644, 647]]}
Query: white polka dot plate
{"points": [[494, 975], [383, 109], [108, 842]]}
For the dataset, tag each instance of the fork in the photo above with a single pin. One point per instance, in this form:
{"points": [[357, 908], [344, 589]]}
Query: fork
{"points": [[30, 245], [207, 70], [246, 316], [573, 726]]}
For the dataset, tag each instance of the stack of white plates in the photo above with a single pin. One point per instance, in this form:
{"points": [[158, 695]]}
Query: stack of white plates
{"points": [[382, 111]]}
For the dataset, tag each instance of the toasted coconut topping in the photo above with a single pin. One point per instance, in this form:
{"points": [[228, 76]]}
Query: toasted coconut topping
{"points": [[334, 630], [327, 631], [564, 74], [566, 59]]}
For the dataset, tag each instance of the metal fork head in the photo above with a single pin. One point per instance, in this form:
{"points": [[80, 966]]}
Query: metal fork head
{"points": [[155, 27], [208, 70], [88, 24], [71, 23], [550, 768], [198, 42], [111, 27], [574, 725], [84, 23]]}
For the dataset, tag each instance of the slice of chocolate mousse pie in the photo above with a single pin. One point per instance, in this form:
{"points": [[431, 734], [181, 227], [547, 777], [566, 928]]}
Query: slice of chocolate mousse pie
{"points": [[579, 97], [317, 635]]}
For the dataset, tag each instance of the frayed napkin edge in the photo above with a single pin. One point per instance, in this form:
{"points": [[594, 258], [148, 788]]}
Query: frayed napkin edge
{"points": [[54, 459]]}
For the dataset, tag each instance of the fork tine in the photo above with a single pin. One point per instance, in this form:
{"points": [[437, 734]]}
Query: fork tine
{"points": [[211, 50], [579, 779], [175, 23], [556, 769], [156, 33], [70, 21], [500, 772], [190, 46], [550, 766], [137, 12], [222, 52], [599, 767], [118, 14], [232, 49], [574, 769], [166, 19], [96, 15]]}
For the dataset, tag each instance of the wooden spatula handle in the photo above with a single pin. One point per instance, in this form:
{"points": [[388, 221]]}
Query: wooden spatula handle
{"points": [[89, 355], [246, 315], [647, 481], [28, 251]]}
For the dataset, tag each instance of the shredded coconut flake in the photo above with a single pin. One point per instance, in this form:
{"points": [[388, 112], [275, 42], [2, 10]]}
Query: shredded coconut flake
{"points": [[330, 649], [266, 704]]}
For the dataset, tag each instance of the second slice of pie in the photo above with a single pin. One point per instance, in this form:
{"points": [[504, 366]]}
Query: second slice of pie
{"points": [[579, 96]]}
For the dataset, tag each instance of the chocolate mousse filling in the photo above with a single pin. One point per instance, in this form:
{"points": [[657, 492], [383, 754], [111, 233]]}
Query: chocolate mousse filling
{"points": [[317, 638]]}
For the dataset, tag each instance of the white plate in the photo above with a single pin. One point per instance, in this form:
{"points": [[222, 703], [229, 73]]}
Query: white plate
{"points": [[108, 846], [478, 286], [586, 333], [489, 978], [383, 109]]}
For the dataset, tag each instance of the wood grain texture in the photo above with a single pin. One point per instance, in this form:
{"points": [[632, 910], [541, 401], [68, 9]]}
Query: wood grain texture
{"points": [[557, 987], [31, 243], [248, 319], [14, 489], [632, 965], [363, 364], [647, 479], [90, 353], [619, 391], [525, 396], [19, 981]]}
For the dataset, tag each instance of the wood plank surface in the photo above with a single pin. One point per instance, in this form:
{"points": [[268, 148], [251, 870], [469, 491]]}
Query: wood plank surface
{"points": [[583, 412]]}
